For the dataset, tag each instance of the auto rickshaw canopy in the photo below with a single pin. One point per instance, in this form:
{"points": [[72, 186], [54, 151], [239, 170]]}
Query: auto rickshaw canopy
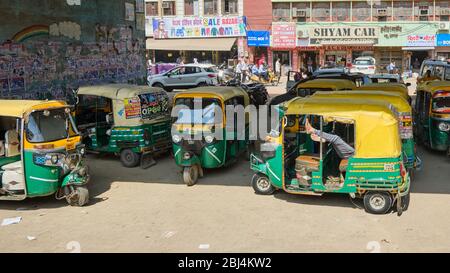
{"points": [[376, 125], [395, 99], [388, 87], [20, 108], [223, 93], [123, 97], [435, 86], [334, 84]]}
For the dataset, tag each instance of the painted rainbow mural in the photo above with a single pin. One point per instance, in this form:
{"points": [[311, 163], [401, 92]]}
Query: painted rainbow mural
{"points": [[30, 32]]}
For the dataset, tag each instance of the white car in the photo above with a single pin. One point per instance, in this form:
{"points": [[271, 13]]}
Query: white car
{"points": [[365, 65], [186, 76]]}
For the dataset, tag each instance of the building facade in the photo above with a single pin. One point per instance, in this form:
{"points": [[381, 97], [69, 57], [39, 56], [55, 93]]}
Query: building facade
{"points": [[49, 48], [210, 31], [402, 31]]}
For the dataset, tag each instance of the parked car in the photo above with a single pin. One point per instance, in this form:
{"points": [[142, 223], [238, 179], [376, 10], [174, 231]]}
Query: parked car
{"points": [[387, 78], [186, 76], [364, 65]]}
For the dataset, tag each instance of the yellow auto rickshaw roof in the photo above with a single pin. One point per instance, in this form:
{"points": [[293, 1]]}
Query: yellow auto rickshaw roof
{"points": [[376, 125], [435, 86], [223, 92], [117, 91], [395, 99], [328, 83], [19, 108]]}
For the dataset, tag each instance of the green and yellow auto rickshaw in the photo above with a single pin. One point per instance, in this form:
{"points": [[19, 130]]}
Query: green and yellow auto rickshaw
{"points": [[404, 112], [391, 87], [200, 135], [432, 115], [127, 120], [41, 152], [289, 159]]}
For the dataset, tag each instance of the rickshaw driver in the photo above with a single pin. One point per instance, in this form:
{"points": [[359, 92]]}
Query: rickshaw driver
{"points": [[343, 149]]}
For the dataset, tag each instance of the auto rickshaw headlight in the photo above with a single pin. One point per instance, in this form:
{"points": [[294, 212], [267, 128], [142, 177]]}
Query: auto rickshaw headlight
{"points": [[209, 139], [187, 156], [444, 127], [176, 138]]}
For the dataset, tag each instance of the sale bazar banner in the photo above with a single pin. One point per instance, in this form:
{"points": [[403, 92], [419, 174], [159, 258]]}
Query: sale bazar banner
{"points": [[199, 27]]}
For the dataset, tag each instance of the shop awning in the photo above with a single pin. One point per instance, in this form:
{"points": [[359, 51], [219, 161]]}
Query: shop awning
{"points": [[418, 48], [207, 44]]}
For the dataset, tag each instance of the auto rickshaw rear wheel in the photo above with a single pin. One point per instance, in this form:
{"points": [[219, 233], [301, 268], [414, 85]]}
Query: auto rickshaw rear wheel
{"points": [[261, 184], [190, 175], [404, 204], [78, 197], [129, 158], [377, 202]]}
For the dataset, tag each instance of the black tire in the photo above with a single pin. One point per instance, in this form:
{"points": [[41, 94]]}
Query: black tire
{"points": [[202, 84], [159, 85], [190, 175], [79, 198], [377, 202], [129, 158], [261, 185], [404, 204]]}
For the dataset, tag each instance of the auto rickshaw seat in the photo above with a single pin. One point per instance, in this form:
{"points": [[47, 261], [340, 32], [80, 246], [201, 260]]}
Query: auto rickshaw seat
{"points": [[311, 162], [12, 143]]}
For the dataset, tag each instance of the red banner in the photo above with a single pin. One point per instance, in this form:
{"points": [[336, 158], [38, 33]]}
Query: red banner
{"points": [[284, 35]]}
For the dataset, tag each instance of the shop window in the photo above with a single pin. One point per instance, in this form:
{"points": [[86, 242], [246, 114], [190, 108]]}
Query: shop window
{"points": [[151, 8], [382, 11], [210, 7], [300, 12], [229, 6], [423, 11], [281, 11], [191, 7], [402, 10], [168, 8], [321, 12], [341, 11], [361, 11], [443, 10]]}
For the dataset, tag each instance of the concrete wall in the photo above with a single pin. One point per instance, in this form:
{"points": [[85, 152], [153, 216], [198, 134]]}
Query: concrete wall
{"points": [[48, 47]]}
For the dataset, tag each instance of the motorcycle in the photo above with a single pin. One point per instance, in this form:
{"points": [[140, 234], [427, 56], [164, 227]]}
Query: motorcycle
{"points": [[257, 92]]}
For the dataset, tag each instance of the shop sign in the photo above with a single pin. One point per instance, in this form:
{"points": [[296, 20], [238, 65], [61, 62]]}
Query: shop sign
{"points": [[348, 35], [258, 38], [443, 39], [284, 35], [199, 27], [391, 32], [421, 40]]}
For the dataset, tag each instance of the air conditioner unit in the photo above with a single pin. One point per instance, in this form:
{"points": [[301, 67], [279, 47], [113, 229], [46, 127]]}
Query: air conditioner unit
{"points": [[445, 11], [381, 12], [301, 34], [423, 12], [444, 26], [165, 5]]}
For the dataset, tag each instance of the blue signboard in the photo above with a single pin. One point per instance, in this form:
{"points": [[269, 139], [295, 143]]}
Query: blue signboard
{"points": [[258, 38], [443, 39]]}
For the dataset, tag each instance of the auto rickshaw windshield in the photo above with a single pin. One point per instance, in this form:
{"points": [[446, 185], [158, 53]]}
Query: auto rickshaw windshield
{"points": [[441, 103], [192, 113], [49, 125]]}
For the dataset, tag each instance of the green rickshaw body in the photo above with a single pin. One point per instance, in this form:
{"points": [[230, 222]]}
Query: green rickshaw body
{"points": [[432, 115], [203, 142], [51, 156], [375, 167], [124, 119]]}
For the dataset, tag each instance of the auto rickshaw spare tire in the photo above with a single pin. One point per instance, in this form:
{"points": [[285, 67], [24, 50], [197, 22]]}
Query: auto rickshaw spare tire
{"points": [[377, 202], [78, 197], [261, 184], [129, 158], [190, 175]]}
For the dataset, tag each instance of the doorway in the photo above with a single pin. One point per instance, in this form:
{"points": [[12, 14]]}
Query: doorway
{"points": [[285, 57], [417, 58]]}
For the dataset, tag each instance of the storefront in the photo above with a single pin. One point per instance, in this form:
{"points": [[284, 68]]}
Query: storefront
{"points": [[443, 46], [206, 39], [258, 43], [284, 42]]}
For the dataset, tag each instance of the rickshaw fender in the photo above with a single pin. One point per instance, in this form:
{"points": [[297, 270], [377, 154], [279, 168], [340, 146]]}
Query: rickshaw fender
{"points": [[74, 179]]}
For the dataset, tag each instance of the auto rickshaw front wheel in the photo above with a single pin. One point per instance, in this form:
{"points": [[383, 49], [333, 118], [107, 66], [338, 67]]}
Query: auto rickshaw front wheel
{"points": [[77, 196], [129, 158], [377, 202], [261, 185], [190, 175]]}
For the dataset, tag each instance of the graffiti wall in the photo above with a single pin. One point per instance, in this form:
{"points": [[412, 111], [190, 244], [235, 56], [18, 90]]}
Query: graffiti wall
{"points": [[46, 56]]}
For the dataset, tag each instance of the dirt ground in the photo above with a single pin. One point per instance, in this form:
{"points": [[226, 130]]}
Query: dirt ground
{"points": [[135, 210]]}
